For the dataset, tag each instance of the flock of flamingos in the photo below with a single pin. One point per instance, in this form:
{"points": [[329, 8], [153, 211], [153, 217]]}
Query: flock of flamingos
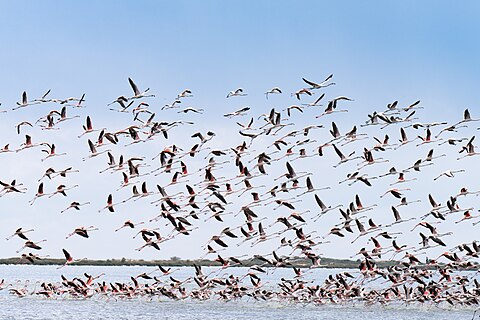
{"points": [[267, 188]]}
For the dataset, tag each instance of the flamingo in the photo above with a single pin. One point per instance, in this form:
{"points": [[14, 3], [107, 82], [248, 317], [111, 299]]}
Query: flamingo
{"points": [[310, 187], [236, 93], [23, 123], [464, 191], [88, 128], [63, 173], [427, 139], [274, 90], [93, 151], [28, 144], [137, 93], [191, 109], [395, 192], [324, 209], [404, 139], [63, 115], [343, 158], [129, 224], [320, 85], [43, 98], [25, 103], [405, 202], [301, 92], [75, 205], [466, 118], [69, 259], [81, 231], [449, 173], [352, 136], [468, 216], [32, 245], [11, 187], [20, 233], [469, 149], [369, 160], [397, 217], [61, 190], [186, 93], [401, 179], [109, 205], [39, 194], [412, 106], [331, 107], [51, 152]]}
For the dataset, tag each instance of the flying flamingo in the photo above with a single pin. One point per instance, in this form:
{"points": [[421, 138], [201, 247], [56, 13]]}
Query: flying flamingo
{"points": [[28, 144], [323, 84], [324, 209], [69, 259], [39, 193], [468, 216], [11, 187], [405, 202], [395, 192], [109, 205], [404, 139], [81, 231], [401, 179], [25, 103], [129, 224], [398, 219], [23, 123], [43, 98], [32, 245], [449, 173], [466, 118], [369, 160], [88, 128], [63, 115], [63, 173], [274, 90], [343, 158], [332, 105], [61, 190], [236, 93], [74, 205], [469, 149], [310, 187], [427, 138], [93, 151], [136, 91], [51, 152], [20, 233]]}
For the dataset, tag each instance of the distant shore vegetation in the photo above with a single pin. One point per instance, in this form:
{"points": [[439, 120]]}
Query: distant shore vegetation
{"points": [[178, 262]]}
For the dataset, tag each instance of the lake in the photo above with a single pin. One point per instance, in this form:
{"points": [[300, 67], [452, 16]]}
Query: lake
{"points": [[37, 307]]}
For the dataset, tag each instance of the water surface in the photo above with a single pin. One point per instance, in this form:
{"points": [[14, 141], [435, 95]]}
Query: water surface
{"points": [[37, 307]]}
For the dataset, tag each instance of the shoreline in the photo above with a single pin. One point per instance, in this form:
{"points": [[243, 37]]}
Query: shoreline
{"points": [[298, 263]]}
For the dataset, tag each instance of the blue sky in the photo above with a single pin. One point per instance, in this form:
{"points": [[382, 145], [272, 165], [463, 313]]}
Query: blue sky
{"points": [[418, 48], [378, 51]]}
